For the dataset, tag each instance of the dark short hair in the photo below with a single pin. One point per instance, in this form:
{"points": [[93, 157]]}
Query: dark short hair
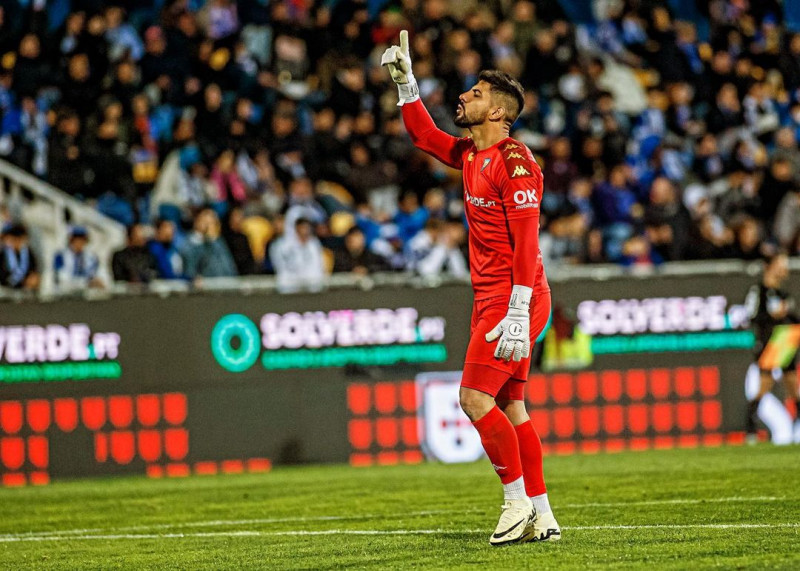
{"points": [[505, 84]]}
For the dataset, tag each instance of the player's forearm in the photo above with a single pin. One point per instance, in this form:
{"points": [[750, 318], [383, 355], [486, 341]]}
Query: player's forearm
{"points": [[427, 137], [525, 236]]}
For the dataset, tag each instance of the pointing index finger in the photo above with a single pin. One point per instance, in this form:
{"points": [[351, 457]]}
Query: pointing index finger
{"points": [[404, 42]]}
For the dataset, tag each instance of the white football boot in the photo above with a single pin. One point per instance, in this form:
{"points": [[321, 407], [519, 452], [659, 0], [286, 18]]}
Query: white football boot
{"points": [[516, 516], [543, 527]]}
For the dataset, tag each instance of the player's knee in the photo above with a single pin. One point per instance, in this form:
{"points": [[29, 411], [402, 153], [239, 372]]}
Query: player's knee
{"points": [[515, 411], [503, 404], [474, 403]]}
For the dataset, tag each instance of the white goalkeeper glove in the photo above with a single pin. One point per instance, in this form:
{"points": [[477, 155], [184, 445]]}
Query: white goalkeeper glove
{"points": [[514, 330], [398, 60]]}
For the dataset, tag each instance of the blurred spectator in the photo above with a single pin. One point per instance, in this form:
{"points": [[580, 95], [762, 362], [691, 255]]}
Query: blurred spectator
{"points": [[710, 238], [617, 207], [238, 244], [370, 180], [31, 70], [122, 37], [666, 220], [297, 259], [727, 111], [228, 185], [778, 182], [76, 267], [411, 217], [81, 88], [220, 19], [23, 136], [787, 221], [749, 239], [708, 163], [559, 171], [205, 254], [760, 111], [154, 113], [183, 186], [134, 263], [436, 250], [786, 148], [354, 257], [638, 251], [303, 204], [18, 265], [168, 261], [68, 166]]}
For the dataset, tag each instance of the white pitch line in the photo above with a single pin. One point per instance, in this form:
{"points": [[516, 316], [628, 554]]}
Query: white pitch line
{"points": [[672, 502], [245, 533], [227, 522], [355, 517], [110, 537], [686, 526]]}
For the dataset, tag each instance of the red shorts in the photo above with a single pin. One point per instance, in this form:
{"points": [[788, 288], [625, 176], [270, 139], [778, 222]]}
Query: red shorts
{"points": [[504, 380]]}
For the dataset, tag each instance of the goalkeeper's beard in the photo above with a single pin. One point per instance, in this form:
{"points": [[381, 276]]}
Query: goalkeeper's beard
{"points": [[464, 120]]}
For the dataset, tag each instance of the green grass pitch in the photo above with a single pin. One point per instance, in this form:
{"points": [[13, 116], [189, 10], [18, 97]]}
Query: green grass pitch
{"points": [[728, 507]]}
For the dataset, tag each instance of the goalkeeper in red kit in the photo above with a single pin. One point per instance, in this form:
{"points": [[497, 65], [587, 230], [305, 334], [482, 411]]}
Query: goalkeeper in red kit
{"points": [[502, 194]]}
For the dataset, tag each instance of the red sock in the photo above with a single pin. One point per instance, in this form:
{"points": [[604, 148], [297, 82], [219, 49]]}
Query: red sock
{"points": [[500, 442], [530, 452]]}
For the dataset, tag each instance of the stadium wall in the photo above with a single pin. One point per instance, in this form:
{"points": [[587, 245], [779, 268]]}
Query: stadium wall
{"points": [[221, 383]]}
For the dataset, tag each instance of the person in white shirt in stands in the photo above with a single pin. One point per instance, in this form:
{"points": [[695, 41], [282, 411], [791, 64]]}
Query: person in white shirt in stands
{"points": [[297, 259], [434, 250], [76, 267]]}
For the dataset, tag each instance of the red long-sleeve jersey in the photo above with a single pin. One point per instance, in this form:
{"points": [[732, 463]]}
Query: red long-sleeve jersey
{"points": [[502, 194]]}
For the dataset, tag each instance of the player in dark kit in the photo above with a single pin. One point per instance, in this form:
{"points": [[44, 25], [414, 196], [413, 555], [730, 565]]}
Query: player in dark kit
{"points": [[769, 306], [502, 194]]}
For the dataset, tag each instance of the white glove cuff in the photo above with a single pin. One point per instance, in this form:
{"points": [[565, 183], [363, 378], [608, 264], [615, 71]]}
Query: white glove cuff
{"points": [[408, 91], [520, 298]]}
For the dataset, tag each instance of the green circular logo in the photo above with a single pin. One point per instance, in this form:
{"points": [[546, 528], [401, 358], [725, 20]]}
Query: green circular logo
{"points": [[235, 327]]}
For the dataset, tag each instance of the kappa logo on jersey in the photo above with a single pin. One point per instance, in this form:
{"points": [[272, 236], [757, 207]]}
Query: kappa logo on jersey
{"points": [[479, 201], [526, 199], [514, 155], [520, 170], [471, 157], [486, 162], [510, 146]]}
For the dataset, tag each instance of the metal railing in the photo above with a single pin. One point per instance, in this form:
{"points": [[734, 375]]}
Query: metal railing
{"points": [[48, 214], [250, 285]]}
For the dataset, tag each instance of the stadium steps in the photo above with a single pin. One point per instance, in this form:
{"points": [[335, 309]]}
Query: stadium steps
{"points": [[48, 213]]}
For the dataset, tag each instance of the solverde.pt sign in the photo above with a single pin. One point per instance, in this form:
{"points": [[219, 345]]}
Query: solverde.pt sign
{"points": [[650, 325], [318, 339], [47, 353]]}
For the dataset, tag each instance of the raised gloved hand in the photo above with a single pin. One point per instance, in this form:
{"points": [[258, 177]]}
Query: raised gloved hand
{"points": [[514, 330], [398, 60]]}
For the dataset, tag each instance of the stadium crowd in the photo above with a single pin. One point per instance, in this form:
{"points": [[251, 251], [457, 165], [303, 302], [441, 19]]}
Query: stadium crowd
{"points": [[259, 136]]}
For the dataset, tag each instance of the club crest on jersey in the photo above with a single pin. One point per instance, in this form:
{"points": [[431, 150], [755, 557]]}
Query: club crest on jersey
{"points": [[485, 164], [520, 170]]}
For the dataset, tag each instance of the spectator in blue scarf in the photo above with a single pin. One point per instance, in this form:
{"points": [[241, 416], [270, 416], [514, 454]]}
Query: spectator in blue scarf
{"points": [[75, 266], [18, 267]]}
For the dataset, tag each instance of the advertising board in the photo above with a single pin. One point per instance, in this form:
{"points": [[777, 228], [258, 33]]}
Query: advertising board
{"points": [[229, 383]]}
